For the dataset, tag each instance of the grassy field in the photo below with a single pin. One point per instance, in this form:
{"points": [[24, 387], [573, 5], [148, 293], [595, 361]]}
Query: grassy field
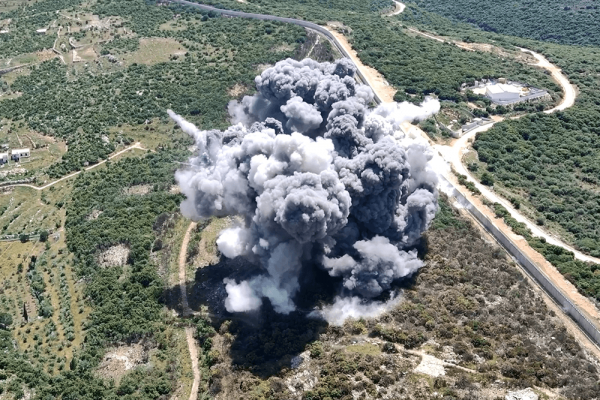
{"points": [[26, 210], [154, 51]]}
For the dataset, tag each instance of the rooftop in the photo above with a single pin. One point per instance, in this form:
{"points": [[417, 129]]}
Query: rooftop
{"points": [[503, 88]]}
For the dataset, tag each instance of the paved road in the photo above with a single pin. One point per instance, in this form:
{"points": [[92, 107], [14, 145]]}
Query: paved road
{"points": [[264, 17], [566, 101]]}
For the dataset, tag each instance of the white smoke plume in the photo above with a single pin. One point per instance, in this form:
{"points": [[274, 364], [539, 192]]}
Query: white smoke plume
{"points": [[317, 177], [344, 308]]}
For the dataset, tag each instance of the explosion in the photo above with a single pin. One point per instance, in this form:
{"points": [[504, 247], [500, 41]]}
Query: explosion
{"points": [[318, 177]]}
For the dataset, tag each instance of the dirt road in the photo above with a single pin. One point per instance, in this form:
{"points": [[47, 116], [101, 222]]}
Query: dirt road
{"points": [[189, 334], [374, 79], [132, 147], [453, 155], [182, 280], [187, 311], [569, 91], [398, 10]]}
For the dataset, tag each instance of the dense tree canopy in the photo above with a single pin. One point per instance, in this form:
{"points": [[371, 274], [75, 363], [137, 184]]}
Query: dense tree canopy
{"points": [[567, 22]]}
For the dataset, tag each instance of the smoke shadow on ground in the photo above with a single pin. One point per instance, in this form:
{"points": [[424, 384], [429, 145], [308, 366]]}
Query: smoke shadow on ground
{"points": [[265, 341]]}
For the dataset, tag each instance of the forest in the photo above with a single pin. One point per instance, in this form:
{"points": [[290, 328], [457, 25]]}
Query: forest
{"points": [[416, 66], [573, 22], [80, 108], [127, 301], [549, 163], [555, 169]]}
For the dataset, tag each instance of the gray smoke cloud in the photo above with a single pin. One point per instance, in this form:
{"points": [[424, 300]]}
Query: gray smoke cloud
{"points": [[313, 170]]}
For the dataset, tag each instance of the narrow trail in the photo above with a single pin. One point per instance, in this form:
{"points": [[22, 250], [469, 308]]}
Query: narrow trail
{"points": [[137, 145], [187, 311], [189, 334], [453, 155]]}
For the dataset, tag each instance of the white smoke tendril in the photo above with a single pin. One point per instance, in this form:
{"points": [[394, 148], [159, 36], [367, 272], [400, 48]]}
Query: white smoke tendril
{"points": [[313, 170]]}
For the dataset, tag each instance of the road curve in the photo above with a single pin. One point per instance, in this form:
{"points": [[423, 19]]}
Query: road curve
{"points": [[299, 22], [453, 186], [398, 10], [137, 145], [187, 311], [453, 154]]}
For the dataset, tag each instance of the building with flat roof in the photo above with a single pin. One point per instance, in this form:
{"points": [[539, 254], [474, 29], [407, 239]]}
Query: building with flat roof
{"points": [[17, 154], [502, 93], [3, 158]]}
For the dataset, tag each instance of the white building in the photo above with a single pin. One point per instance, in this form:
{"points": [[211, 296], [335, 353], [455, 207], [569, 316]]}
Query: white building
{"points": [[17, 154], [3, 158], [503, 93]]}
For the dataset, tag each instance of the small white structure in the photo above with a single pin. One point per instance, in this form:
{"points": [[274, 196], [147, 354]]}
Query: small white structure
{"points": [[3, 158], [42, 30], [17, 154], [502, 92]]}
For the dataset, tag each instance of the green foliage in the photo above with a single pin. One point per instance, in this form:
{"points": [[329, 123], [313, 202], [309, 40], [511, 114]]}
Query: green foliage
{"points": [[554, 160], [82, 108], [316, 349], [585, 276], [446, 217], [6, 320], [570, 22], [411, 64], [121, 45], [487, 179], [463, 180], [43, 236], [25, 20]]}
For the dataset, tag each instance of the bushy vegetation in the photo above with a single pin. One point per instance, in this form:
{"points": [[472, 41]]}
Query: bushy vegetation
{"points": [[554, 161], [546, 163], [25, 21], [416, 66], [567, 22], [470, 305], [80, 108], [583, 275]]}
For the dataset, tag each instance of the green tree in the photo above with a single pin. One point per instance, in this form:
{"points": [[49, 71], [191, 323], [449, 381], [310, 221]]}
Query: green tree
{"points": [[487, 179], [5, 320]]}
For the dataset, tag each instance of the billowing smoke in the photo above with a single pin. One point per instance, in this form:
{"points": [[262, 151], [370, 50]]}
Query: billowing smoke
{"points": [[317, 177], [354, 307]]}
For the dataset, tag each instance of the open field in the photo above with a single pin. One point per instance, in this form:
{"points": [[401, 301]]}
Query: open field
{"points": [[154, 51], [26, 210]]}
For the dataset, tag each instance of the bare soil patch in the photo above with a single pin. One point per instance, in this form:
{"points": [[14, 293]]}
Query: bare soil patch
{"points": [[115, 256], [94, 215], [375, 79], [237, 90], [139, 190], [119, 360]]}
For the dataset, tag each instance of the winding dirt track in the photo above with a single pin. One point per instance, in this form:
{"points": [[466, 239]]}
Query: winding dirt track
{"points": [[187, 311], [385, 93], [453, 155], [137, 145], [189, 334]]}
